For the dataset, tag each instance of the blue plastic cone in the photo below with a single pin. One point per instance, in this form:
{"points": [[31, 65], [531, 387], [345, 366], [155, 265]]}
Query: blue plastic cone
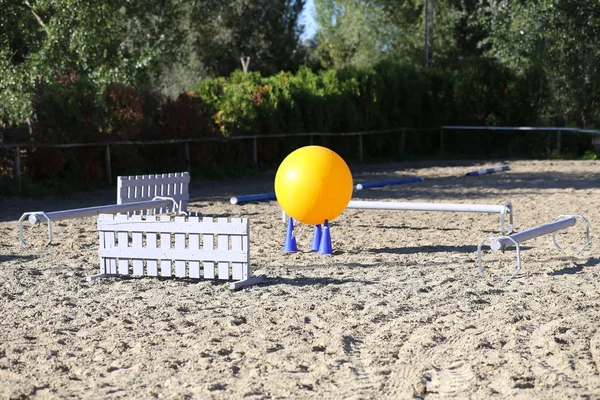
{"points": [[290, 241], [325, 245], [316, 239]]}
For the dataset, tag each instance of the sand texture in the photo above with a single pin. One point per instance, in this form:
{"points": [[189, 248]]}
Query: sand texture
{"points": [[398, 312]]}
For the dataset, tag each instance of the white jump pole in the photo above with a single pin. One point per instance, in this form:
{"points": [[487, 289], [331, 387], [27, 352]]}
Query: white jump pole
{"points": [[561, 222], [502, 243], [384, 205], [36, 217], [447, 207]]}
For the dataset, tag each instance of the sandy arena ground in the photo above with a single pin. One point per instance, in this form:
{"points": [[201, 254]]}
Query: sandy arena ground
{"points": [[398, 312]]}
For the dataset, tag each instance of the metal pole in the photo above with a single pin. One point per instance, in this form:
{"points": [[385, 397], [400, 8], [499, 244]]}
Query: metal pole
{"points": [[368, 185], [501, 243], [252, 197], [558, 140], [409, 206], [37, 217]]}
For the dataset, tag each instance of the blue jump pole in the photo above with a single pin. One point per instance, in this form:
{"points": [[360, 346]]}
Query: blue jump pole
{"points": [[488, 170], [362, 186], [252, 197]]}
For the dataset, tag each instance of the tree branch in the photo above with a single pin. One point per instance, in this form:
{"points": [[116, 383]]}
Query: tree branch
{"points": [[37, 17]]}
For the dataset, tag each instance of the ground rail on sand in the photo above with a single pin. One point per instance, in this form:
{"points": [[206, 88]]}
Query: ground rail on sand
{"points": [[503, 210], [145, 194], [503, 242]]}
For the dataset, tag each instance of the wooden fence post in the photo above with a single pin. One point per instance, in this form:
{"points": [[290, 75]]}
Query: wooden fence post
{"points": [[17, 168], [107, 169], [254, 150], [186, 155], [402, 143], [360, 148]]}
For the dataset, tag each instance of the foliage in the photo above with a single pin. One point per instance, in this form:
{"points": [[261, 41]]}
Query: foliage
{"points": [[488, 93], [560, 38], [106, 41], [267, 31], [352, 33], [77, 71], [388, 95], [362, 33], [71, 112], [554, 42]]}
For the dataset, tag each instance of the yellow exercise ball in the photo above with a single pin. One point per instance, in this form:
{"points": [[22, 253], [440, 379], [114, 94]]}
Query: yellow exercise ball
{"points": [[313, 184]]}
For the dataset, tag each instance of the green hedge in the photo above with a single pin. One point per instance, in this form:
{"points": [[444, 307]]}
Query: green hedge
{"points": [[389, 95]]}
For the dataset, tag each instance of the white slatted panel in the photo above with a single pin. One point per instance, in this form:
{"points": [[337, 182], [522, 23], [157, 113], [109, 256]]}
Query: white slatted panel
{"points": [[236, 244], [151, 264], [165, 243], [246, 248], [135, 191], [223, 244], [184, 194], [141, 189], [183, 227], [102, 246], [151, 194], [172, 185], [177, 254], [180, 270], [122, 243], [122, 191], [208, 243], [146, 187], [136, 244], [194, 244], [179, 249], [166, 188], [109, 243]]}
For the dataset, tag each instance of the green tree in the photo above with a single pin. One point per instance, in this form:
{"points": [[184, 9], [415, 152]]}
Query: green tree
{"points": [[352, 32], [558, 37], [105, 40], [267, 31], [362, 32]]}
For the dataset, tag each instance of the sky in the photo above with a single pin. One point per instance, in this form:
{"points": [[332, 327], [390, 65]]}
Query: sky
{"points": [[307, 18]]}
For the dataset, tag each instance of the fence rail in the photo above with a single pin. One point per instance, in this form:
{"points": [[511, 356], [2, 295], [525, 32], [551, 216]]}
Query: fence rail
{"points": [[255, 138]]}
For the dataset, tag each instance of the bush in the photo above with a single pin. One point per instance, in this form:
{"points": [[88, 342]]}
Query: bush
{"points": [[386, 96], [66, 111]]}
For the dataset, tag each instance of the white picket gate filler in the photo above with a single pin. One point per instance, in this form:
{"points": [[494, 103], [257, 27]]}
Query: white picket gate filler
{"points": [[181, 247], [131, 189], [503, 242], [503, 210], [147, 194]]}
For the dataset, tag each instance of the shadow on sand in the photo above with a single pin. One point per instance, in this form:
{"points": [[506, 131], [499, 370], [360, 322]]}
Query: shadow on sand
{"points": [[592, 262]]}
